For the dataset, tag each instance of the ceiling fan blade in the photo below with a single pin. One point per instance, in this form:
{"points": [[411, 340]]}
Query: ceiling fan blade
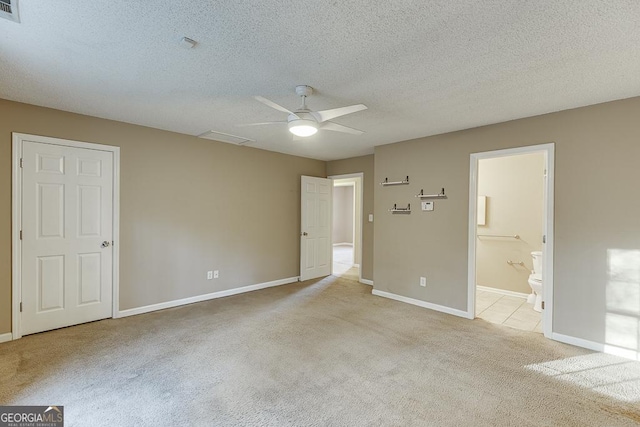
{"points": [[260, 124], [273, 105], [325, 115], [340, 128]]}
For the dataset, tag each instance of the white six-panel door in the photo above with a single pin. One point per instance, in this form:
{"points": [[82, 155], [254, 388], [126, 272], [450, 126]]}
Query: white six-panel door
{"points": [[315, 234], [67, 233]]}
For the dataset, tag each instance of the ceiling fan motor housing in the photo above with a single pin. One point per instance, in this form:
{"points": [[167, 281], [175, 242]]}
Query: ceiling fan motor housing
{"points": [[304, 90], [302, 115]]}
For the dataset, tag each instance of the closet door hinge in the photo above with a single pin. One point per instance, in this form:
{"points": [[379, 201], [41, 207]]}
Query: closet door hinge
{"points": [[542, 305], [544, 238], [21, 162], [20, 234], [20, 306]]}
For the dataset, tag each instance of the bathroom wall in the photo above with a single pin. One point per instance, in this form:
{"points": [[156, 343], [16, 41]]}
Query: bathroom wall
{"points": [[343, 214], [513, 187]]}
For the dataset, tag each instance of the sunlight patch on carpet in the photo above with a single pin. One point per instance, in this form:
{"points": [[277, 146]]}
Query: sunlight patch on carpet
{"points": [[608, 375]]}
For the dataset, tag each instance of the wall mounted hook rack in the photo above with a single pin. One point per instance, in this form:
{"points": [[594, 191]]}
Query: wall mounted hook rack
{"points": [[396, 209], [421, 195], [386, 182]]}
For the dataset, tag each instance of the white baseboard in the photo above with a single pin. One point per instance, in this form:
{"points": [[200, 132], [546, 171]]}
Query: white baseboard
{"points": [[343, 244], [421, 303], [205, 297], [502, 292], [6, 337], [596, 346], [578, 342], [366, 282]]}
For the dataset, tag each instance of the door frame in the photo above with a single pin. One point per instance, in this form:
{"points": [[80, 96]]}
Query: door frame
{"points": [[16, 219], [547, 227], [358, 222]]}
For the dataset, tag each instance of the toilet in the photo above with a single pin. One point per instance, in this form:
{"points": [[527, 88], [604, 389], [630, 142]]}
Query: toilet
{"points": [[535, 281]]}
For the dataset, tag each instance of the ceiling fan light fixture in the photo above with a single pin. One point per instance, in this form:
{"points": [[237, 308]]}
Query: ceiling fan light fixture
{"points": [[303, 122], [303, 127]]}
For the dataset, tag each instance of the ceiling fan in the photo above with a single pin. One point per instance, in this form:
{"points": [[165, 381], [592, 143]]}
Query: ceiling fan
{"points": [[303, 122]]}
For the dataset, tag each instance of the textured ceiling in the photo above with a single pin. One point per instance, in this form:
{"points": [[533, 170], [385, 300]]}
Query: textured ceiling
{"points": [[422, 67]]}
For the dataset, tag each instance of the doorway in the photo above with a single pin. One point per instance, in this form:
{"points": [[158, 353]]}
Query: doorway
{"points": [[347, 226], [511, 237], [65, 227]]}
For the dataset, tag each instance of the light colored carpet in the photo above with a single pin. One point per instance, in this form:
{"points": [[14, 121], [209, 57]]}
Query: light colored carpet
{"points": [[351, 274], [323, 353]]}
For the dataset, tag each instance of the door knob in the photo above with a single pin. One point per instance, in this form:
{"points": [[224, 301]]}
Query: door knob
{"points": [[105, 244], [304, 233]]}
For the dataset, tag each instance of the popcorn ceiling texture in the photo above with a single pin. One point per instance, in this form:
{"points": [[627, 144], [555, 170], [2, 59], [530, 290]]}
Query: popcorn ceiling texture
{"points": [[422, 67]]}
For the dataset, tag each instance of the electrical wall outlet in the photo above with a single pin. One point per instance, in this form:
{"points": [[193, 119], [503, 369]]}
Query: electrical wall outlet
{"points": [[423, 281], [216, 274], [209, 275]]}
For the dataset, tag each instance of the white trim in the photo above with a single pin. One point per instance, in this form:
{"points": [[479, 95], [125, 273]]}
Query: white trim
{"points": [[344, 184], [358, 177], [65, 142], [16, 210], [116, 234], [343, 244], [16, 244], [420, 303], [347, 175], [205, 297], [547, 273], [366, 282], [471, 233], [547, 255], [502, 292], [596, 346], [578, 342], [6, 337]]}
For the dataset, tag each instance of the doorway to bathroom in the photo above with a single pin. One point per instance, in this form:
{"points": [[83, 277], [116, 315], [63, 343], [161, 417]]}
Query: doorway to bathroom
{"points": [[347, 225], [511, 237]]}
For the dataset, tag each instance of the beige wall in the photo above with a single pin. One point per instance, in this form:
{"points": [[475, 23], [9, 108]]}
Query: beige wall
{"points": [[193, 200], [514, 188], [364, 164], [187, 206], [343, 214], [596, 214]]}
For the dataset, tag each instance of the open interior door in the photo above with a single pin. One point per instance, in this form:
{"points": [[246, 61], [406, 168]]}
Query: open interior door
{"points": [[315, 220]]}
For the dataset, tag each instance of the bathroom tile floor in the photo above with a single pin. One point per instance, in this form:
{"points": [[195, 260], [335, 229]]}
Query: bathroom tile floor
{"points": [[510, 311]]}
